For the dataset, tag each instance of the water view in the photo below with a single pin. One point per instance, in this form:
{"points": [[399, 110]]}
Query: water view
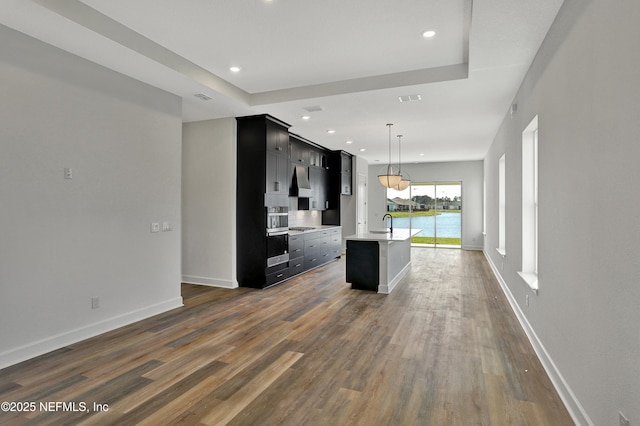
{"points": [[424, 199], [448, 225]]}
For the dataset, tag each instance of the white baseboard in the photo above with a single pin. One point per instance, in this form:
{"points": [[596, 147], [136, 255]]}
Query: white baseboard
{"points": [[470, 247], [31, 350], [575, 408], [211, 282]]}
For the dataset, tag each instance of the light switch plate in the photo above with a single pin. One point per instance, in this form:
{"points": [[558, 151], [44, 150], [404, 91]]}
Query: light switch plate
{"points": [[155, 227]]}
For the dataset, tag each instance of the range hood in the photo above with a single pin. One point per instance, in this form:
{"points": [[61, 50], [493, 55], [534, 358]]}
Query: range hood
{"points": [[300, 186]]}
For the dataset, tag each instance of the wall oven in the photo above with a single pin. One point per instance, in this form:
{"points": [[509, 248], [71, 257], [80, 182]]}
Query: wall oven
{"points": [[277, 236], [277, 219], [277, 248]]}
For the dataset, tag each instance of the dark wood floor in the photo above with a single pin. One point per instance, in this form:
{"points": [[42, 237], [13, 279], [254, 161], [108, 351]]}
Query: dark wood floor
{"points": [[443, 349]]}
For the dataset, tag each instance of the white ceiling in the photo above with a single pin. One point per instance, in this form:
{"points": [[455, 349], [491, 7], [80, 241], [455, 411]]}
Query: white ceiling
{"points": [[352, 58]]}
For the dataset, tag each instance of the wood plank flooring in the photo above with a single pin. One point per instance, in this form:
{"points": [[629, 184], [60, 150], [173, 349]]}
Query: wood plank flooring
{"points": [[443, 349]]}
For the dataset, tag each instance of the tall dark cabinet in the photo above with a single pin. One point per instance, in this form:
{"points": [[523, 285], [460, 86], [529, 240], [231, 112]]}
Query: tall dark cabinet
{"points": [[339, 183], [262, 180], [276, 170]]}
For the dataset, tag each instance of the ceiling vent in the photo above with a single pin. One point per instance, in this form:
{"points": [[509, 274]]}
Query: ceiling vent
{"points": [[410, 98], [203, 96], [314, 108]]}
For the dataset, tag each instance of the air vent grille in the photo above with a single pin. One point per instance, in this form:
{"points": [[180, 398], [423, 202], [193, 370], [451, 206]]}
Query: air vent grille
{"points": [[203, 96], [410, 98]]}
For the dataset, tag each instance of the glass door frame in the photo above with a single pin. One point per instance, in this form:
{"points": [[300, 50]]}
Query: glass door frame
{"points": [[436, 199]]}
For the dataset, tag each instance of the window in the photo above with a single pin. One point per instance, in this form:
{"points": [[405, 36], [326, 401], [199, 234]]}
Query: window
{"points": [[502, 183], [529, 270]]}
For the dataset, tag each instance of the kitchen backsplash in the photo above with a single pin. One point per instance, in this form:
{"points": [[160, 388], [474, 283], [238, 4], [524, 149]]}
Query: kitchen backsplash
{"points": [[304, 218]]}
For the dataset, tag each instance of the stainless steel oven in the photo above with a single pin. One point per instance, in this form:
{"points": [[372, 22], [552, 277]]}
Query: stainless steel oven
{"points": [[277, 248], [277, 219], [277, 235]]}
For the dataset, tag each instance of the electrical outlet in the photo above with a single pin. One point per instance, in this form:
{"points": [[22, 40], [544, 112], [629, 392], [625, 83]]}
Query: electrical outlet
{"points": [[166, 226], [95, 302], [68, 173], [155, 227], [623, 419]]}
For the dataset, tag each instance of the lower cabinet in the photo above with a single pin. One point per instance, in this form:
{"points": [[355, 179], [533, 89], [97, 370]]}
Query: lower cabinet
{"points": [[276, 277], [315, 249]]}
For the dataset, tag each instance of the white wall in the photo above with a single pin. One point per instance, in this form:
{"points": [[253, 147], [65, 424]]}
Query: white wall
{"points": [[470, 173], [209, 203], [65, 241], [585, 321]]}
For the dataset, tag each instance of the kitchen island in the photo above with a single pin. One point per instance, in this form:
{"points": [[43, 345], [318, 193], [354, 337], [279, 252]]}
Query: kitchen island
{"points": [[378, 260]]}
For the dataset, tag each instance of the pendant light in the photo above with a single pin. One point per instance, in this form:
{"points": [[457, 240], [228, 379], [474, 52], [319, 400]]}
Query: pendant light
{"points": [[390, 179], [405, 179]]}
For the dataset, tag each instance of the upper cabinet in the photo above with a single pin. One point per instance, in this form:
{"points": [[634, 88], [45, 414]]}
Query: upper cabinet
{"points": [[277, 138], [346, 162], [277, 174], [299, 151]]}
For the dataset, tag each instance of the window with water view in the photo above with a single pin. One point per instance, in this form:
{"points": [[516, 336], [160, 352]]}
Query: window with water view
{"points": [[435, 208]]}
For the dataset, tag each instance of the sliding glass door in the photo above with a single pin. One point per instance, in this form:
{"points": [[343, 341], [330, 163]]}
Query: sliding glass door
{"points": [[433, 207]]}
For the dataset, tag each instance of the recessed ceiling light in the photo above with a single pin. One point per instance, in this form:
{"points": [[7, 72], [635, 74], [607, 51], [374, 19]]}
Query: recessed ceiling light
{"points": [[314, 108], [363, 149], [421, 155], [428, 34], [331, 131], [234, 69], [306, 117], [348, 142]]}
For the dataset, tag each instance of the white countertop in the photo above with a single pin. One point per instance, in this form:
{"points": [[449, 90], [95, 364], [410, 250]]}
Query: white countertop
{"points": [[315, 229], [399, 234]]}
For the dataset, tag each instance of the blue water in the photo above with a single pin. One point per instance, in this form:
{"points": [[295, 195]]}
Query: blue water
{"points": [[448, 225]]}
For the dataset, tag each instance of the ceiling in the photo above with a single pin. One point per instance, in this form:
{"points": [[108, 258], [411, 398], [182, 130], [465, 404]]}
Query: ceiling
{"points": [[342, 63]]}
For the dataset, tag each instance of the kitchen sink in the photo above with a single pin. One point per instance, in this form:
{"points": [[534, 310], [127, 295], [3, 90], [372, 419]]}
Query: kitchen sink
{"points": [[380, 231]]}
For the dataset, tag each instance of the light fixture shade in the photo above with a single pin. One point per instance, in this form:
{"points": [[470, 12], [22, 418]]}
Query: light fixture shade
{"points": [[402, 185], [388, 178], [389, 181]]}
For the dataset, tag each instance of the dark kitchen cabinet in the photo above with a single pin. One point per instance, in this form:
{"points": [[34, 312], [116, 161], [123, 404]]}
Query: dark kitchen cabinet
{"points": [[277, 174], [319, 179], [319, 198], [314, 248], [339, 182], [299, 151], [262, 180], [277, 138], [346, 161]]}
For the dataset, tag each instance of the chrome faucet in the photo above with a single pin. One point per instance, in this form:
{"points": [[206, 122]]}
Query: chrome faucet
{"points": [[390, 217]]}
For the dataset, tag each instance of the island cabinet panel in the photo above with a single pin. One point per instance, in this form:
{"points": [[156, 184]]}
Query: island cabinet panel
{"points": [[363, 266]]}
